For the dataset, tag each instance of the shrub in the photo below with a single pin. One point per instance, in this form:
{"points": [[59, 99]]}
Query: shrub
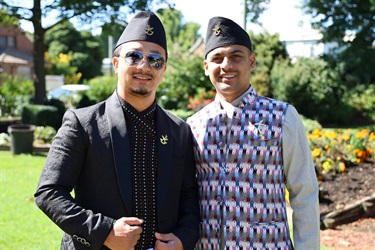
{"points": [[44, 134], [314, 89], [41, 115], [310, 125], [183, 114], [101, 88], [4, 139], [14, 93], [362, 99], [201, 99], [183, 78]]}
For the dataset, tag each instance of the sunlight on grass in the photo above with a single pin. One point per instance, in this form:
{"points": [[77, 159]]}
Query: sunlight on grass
{"points": [[22, 224]]}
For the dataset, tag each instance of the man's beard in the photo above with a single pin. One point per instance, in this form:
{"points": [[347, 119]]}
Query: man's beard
{"points": [[141, 92]]}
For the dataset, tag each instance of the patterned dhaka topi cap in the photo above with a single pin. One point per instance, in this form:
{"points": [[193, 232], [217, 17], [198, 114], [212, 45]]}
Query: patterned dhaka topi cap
{"points": [[222, 32], [144, 26]]}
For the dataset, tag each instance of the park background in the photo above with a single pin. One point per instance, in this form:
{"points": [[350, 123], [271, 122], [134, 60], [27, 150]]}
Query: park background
{"points": [[317, 55]]}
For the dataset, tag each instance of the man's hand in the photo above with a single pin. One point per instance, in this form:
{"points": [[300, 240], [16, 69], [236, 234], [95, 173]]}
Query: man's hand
{"points": [[125, 233], [167, 241]]}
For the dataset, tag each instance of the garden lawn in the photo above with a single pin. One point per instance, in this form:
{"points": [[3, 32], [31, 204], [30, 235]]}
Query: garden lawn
{"points": [[22, 224]]}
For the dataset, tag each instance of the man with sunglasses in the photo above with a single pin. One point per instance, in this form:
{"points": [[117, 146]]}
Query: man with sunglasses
{"points": [[129, 162]]}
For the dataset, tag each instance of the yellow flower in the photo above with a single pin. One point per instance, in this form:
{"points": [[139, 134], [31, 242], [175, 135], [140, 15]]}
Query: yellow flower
{"points": [[316, 152], [327, 165], [346, 137], [342, 167]]}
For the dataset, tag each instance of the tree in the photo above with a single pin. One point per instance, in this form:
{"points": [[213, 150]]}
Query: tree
{"points": [[8, 20], [351, 24], [268, 49], [181, 35], [253, 9], [93, 12], [185, 72], [85, 49], [313, 88]]}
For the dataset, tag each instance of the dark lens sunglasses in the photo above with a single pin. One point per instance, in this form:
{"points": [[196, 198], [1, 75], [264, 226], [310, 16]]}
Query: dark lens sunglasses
{"points": [[133, 58]]}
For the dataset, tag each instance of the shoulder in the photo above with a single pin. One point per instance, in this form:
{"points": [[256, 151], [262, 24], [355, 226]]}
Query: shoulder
{"points": [[203, 114], [87, 114]]}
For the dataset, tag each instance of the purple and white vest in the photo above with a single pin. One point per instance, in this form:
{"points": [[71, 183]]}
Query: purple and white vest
{"points": [[241, 176]]}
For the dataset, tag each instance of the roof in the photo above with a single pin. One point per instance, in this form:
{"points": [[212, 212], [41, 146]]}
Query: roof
{"points": [[12, 56]]}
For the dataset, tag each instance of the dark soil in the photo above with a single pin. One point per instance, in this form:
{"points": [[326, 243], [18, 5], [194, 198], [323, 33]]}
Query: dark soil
{"points": [[339, 190]]}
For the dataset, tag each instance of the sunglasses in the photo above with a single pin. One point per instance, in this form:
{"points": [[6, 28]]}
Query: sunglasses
{"points": [[133, 58]]}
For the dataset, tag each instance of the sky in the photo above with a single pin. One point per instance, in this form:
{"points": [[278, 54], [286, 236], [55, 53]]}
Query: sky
{"points": [[282, 16]]}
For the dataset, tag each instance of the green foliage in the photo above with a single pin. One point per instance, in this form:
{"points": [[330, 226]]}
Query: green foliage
{"points": [[101, 87], [4, 139], [201, 99], [44, 134], [41, 115], [183, 114], [351, 25], [88, 13], [268, 49], [84, 51], [335, 18], [183, 78], [362, 100], [8, 20], [254, 8], [310, 125], [61, 65], [313, 88], [185, 74], [14, 93], [180, 35], [333, 150]]}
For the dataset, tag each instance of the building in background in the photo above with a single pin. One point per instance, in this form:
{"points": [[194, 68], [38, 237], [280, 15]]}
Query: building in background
{"points": [[16, 52]]}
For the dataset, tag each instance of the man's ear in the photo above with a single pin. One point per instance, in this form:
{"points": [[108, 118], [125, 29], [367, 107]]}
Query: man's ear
{"points": [[115, 63], [252, 61], [205, 66]]}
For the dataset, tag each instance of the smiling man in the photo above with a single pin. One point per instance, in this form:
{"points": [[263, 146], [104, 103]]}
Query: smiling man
{"points": [[248, 150], [129, 162]]}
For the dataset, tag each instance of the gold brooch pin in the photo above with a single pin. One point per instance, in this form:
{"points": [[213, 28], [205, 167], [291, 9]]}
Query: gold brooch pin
{"points": [[149, 30], [260, 129], [164, 139], [216, 30]]}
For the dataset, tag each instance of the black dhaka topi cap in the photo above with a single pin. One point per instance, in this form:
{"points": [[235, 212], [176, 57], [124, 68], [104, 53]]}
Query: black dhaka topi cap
{"points": [[144, 26], [222, 32]]}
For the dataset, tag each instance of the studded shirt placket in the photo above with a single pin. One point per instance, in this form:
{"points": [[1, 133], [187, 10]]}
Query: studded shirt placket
{"points": [[144, 160]]}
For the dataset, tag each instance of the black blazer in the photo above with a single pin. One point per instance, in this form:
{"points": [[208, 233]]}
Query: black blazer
{"points": [[90, 154]]}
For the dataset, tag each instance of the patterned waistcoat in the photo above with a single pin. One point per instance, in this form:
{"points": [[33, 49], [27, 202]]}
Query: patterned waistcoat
{"points": [[240, 174]]}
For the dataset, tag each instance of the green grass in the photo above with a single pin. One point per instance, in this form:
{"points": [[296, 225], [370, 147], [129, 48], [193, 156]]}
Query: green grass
{"points": [[22, 224]]}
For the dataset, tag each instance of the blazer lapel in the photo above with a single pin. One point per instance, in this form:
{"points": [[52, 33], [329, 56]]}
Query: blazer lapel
{"points": [[165, 154], [121, 148]]}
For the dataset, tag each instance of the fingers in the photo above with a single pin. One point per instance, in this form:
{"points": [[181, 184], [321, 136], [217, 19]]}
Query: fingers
{"points": [[128, 226], [167, 241], [125, 233], [132, 221], [164, 237]]}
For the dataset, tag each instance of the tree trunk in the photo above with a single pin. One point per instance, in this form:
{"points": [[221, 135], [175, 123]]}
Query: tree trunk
{"points": [[38, 54]]}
